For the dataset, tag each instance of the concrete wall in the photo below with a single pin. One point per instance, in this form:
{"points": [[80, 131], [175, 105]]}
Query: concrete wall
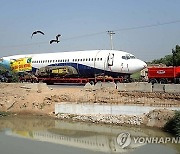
{"points": [[135, 86], [140, 86], [84, 108], [172, 88], [158, 88]]}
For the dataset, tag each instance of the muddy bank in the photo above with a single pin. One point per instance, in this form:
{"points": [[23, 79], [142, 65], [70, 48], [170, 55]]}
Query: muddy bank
{"points": [[155, 118]]}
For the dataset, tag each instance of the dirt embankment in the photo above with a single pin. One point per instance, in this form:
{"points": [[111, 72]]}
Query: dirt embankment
{"points": [[32, 98], [39, 99]]}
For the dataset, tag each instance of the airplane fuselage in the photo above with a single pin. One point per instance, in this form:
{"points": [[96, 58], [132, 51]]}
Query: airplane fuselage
{"points": [[87, 63]]}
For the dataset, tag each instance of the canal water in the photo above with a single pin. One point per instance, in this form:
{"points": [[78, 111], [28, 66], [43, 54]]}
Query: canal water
{"points": [[44, 135]]}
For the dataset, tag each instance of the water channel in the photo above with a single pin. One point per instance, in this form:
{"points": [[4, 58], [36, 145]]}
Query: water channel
{"points": [[44, 135]]}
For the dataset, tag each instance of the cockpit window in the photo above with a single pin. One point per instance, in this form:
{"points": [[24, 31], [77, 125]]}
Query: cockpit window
{"points": [[132, 57], [123, 57], [128, 57]]}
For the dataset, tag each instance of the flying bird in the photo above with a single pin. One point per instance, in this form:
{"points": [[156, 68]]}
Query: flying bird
{"points": [[57, 36], [57, 39], [36, 32], [54, 41]]}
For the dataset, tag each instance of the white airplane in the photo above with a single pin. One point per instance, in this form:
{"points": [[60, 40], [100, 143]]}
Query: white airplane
{"points": [[89, 63]]}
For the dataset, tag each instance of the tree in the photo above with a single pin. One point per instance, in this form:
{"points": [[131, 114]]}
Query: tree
{"points": [[177, 56], [170, 60]]}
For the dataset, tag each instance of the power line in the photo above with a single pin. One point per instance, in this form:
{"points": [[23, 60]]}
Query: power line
{"points": [[99, 33], [126, 29], [148, 26]]}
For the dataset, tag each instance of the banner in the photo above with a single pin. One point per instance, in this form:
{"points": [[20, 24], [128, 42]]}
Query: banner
{"points": [[21, 64]]}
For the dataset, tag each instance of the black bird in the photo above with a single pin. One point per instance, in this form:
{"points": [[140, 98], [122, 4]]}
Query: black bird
{"points": [[54, 41], [36, 32], [57, 36]]}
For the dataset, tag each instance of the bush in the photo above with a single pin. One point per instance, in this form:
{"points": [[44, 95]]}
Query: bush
{"points": [[173, 125], [3, 114], [9, 75]]}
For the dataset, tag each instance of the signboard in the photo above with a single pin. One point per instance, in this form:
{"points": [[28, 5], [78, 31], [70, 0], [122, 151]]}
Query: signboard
{"points": [[21, 64]]}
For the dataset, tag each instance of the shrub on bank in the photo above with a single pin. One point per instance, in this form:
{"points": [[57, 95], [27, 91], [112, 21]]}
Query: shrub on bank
{"points": [[7, 75], [3, 114], [173, 125]]}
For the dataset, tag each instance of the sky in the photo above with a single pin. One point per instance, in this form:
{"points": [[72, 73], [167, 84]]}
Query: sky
{"points": [[83, 25]]}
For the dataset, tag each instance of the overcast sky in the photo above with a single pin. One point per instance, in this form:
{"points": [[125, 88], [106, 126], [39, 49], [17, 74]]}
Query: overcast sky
{"points": [[83, 25]]}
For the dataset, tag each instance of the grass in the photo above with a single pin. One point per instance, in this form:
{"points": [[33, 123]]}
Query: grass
{"points": [[136, 76], [3, 114], [173, 125]]}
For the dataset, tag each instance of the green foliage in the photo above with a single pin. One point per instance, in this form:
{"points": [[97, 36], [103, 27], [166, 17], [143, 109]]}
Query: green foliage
{"points": [[14, 76], [173, 125], [3, 114], [168, 59], [136, 76], [2, 70], [177, 56]]}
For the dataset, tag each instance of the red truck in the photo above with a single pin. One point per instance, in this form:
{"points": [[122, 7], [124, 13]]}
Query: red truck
{"points": [[164, 75]]}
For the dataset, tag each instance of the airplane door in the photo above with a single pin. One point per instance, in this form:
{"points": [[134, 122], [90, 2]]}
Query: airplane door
{"points": [[124, 67], [110, 59], [95, 59]]}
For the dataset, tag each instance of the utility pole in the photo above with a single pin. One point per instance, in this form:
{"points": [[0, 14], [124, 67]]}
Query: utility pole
{"points": [[111, 38]]}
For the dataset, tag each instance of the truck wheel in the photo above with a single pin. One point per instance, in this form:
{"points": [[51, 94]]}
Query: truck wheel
{"points": [[153, 81], [163, 81]]}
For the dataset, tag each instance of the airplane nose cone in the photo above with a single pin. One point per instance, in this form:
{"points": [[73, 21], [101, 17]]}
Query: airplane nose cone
{"points": [[144, 65], [141, 64]]}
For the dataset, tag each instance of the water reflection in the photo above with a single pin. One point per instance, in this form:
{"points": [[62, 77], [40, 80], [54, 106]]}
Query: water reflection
{"points": [[99, 138]]}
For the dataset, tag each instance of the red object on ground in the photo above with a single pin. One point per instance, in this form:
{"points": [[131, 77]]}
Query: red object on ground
{"points": [[164, 74]]}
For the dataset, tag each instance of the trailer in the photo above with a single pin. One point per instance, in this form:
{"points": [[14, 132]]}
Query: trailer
{"points": [[52, 80], [66, 74], [164, 75]]}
